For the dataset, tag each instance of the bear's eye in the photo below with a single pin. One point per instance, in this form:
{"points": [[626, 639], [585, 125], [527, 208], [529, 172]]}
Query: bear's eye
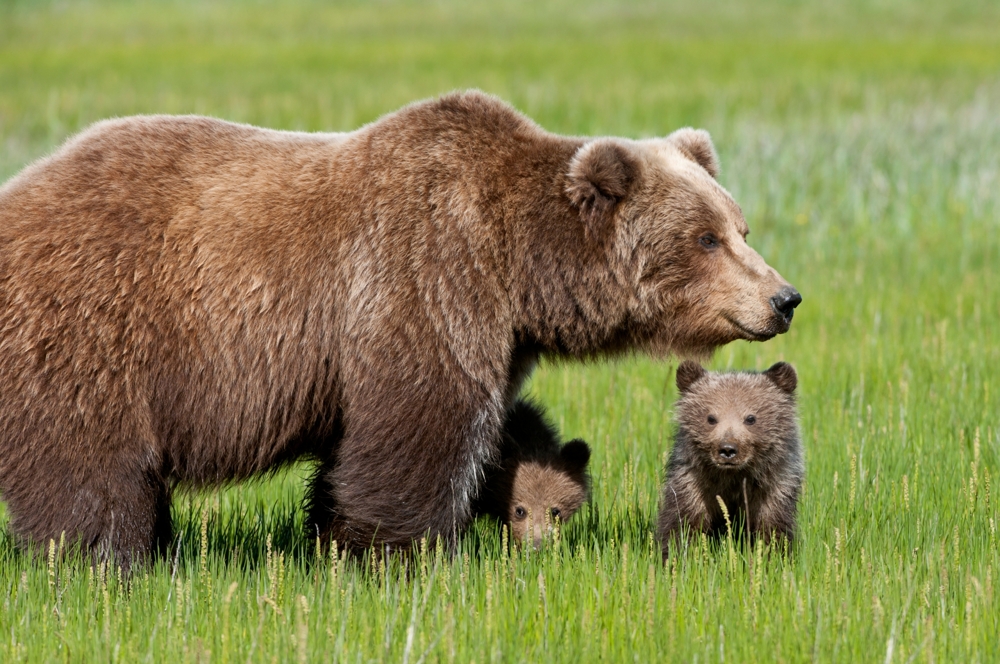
{"points": [[709, 241], [712, 420], [555, 512], [520, 513], [749, 419]]}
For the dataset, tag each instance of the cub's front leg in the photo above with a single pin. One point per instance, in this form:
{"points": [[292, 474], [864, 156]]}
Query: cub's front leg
{"points": [[683, 512]]}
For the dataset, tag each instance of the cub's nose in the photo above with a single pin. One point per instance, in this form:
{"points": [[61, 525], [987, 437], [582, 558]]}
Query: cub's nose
{"points": [[727, 451], [785, 301]]}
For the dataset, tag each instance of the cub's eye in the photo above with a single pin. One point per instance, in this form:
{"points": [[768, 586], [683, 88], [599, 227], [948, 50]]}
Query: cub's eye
{"points": [[520, 512], [749, 419], [712, 420], [555, 512], [709, 241]]}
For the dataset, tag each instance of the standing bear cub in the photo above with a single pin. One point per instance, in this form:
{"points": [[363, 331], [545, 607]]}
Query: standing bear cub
{"points": [[537, 480], [187, 300], [738, 442]]}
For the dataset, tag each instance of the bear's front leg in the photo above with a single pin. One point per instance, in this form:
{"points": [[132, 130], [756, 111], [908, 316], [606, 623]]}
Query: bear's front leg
{"points": [[409, 465], [683, 512], [775, 520]]}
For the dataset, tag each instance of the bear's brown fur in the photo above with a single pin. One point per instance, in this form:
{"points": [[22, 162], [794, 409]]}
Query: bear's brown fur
{"points": [[184, 299], [537, 480], [738, 440]]}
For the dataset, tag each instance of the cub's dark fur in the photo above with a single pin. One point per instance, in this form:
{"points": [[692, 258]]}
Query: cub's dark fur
{"points": [[537, 479], [738, 440]]}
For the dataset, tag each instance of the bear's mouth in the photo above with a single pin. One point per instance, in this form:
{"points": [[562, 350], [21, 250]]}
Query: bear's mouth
{"points": [[749, 334], [730, 465]]}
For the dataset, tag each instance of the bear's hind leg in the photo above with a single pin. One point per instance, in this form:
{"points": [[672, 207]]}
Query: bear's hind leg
{"points": [[126, 519], [135, 521]]}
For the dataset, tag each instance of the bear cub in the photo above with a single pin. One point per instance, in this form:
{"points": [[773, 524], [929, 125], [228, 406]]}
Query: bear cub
{"points": [[738, 441], [537, 480]]}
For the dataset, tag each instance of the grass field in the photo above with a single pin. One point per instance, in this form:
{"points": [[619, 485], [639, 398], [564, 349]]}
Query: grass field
{"points": [[862, 140]]}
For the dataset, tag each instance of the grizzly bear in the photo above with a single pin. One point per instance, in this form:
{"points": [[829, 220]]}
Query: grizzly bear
{"points": [[737, 441], [187, 300], [537, 481]]}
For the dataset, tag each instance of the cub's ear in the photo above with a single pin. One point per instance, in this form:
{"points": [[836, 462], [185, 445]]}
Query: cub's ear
{"points": [[689, 373], [783, 375], [697, 146], [575, 454], [600, 174]]}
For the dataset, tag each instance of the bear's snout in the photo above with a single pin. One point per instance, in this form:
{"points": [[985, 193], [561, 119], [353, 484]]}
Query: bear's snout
{"points": [[728, 452], [784, 304]]}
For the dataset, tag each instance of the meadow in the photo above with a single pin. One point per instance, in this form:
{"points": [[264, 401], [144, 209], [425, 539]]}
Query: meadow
{"points": [[862, 140]]}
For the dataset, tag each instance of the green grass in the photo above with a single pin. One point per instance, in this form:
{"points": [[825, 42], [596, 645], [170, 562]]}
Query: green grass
{"points": [[863, 143]]}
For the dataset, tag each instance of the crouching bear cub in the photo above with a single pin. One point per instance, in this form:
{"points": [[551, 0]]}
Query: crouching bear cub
{"points": [[187, 300], [738, 441], [537, 480]]}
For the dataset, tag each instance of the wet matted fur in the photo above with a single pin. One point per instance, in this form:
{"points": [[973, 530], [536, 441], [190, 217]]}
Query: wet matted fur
{"points": [[184, 299]]}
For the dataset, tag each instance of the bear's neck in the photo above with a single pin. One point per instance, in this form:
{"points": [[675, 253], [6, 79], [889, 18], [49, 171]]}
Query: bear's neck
{"points": [[568, 293]]}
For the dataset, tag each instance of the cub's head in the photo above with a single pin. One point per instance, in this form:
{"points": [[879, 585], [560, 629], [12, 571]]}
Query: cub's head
{"points": [[679, 240], [543, 490], [738, 420]]}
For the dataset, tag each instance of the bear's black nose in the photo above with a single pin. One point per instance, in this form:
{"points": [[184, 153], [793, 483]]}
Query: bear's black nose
{"points": [[727, 451], [785, 301]]}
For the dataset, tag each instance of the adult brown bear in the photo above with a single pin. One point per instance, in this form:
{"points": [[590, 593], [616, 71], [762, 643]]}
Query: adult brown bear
{"points": [[187, 300]]}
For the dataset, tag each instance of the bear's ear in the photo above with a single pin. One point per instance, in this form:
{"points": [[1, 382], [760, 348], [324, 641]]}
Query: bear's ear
{"points": [[697, 146], [600, 174], [783, 375], [575, 454], [689, 373]]}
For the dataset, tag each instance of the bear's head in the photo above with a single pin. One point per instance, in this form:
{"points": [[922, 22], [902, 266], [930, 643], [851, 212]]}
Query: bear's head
{"points": [[543, 490], [677, 238], [736, 421]]}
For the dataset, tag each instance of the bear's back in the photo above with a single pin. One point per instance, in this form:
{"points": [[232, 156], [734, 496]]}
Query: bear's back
{"points": [[144, 169]]}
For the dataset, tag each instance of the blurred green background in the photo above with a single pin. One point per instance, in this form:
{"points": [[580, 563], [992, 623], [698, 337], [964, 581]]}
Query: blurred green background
{"points": [[862, 140], [584, 67]]}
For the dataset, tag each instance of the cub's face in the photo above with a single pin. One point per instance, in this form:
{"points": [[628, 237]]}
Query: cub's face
{"points": [[736, 420], [544, 491]]}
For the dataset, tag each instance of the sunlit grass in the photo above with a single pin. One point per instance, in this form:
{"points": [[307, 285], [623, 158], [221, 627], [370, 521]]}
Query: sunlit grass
{"points": [[864, 147]]}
